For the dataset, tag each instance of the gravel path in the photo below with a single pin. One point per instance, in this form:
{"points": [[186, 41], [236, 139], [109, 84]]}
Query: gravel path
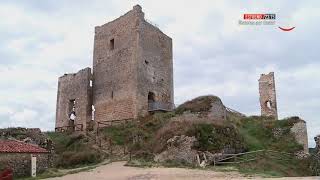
{"points": [[117, 171]]}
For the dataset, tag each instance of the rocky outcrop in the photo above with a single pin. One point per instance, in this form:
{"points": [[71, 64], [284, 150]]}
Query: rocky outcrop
{"points": [[179, 149]]}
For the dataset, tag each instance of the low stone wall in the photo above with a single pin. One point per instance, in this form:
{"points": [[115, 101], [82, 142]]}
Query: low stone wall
{"points": [[20, 163]]}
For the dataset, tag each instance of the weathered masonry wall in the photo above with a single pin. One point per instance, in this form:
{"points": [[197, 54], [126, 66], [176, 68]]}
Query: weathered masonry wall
{"points": [[20, 163], [267, 90], [299, 130], [114, 69], [132, 58], [74, 87], [154, 68]]}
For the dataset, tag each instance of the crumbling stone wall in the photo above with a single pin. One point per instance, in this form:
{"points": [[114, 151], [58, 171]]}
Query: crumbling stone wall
{"points": [[154, 68], [20, 163], [74, 87], [299, 130], [267, 90], [317, 139], [131, 60]]}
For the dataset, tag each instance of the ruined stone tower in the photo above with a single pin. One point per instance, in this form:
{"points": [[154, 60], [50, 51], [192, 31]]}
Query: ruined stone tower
{"points": [[267, 90], [74, 90], [132, 73]]}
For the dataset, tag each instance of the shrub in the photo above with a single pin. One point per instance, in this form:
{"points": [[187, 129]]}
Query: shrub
{"points": [[216, 138], [72, 159], [258, 134]]}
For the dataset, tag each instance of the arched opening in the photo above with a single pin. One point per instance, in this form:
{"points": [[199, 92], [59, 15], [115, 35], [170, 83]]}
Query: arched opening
{"points": [[268, 104], [151, 101]]}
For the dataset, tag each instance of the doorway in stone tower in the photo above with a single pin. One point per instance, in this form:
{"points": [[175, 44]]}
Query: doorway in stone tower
{"points": [[268, 105], [151, 101], [72, 113]]}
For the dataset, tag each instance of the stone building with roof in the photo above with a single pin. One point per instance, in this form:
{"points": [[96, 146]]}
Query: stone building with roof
{"points": [[17, 156]]}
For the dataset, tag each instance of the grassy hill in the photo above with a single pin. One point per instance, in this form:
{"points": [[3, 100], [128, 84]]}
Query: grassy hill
{"points": [[148, 136]]}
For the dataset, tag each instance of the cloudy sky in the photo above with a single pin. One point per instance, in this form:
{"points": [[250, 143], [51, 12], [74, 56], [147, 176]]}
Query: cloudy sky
{"points": [[213, 54]]}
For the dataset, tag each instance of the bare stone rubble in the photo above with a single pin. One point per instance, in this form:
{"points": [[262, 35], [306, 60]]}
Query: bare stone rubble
{"points": [[179, 150], [132, 75], [267, 90]]}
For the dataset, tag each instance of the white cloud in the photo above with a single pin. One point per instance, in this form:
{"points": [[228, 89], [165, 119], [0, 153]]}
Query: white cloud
{"points": [[212, 53]]}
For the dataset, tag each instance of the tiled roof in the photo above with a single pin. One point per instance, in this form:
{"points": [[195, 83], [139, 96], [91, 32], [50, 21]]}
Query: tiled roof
{"points": [[11, 146]]}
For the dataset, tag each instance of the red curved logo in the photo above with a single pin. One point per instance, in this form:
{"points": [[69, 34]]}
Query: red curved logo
{"points": [[286, 29]]}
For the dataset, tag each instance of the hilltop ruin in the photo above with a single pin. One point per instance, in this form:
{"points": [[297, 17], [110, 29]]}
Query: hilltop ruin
{"points": [[132, 75]]}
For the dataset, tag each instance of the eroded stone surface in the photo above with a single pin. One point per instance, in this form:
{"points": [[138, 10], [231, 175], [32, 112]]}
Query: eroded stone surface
{"points": [[179, 149], [267, 90], [299, 130], [74, 88], [132, 73]]}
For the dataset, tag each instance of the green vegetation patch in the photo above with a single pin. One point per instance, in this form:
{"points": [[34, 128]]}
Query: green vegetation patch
{"points": [[276, 165], [74, 150], [215, 138], [264, 133]]}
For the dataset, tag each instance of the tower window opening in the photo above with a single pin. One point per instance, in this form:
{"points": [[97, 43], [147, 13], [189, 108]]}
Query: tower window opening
{"points": [[92, 112], [111, 44], [268, 104]]}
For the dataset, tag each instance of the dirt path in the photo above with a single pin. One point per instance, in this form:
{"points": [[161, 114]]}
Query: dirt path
{"points": [[117, 171]]}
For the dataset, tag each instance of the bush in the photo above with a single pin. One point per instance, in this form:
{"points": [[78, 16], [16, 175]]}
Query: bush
{"points": [[216, 138], [258, 134], [73, 159], [73, 150]]}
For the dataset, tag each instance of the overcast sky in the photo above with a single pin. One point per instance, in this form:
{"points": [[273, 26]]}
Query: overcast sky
{"points": [[213, 54]]}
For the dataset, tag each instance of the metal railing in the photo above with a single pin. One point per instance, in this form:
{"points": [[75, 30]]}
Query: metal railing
{"points": [[159, 106], [251, 156], [77, 127]]}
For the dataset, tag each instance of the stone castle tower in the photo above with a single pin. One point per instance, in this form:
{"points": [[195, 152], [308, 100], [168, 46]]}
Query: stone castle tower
{"points": [[268, 100], [132, 74]]}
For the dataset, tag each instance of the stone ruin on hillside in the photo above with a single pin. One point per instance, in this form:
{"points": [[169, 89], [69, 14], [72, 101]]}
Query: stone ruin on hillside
{"points": [[132, 75], [267, 90], [317, 139]]}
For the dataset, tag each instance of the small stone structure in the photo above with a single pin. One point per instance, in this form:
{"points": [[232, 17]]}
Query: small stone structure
{"points": [[317, 139], [132, 74], [299, 130], [17, 156], [267, 90]]}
